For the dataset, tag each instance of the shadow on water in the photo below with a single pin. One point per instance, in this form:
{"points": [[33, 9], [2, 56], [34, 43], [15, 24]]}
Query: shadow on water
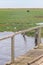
{"points": [[21, 46]]}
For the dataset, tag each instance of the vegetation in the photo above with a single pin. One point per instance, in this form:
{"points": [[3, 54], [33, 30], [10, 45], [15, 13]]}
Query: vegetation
{"points": [[19, 19]]}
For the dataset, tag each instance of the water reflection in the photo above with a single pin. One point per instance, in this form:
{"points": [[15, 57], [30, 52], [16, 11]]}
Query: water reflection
{"points": [[21, 47]]}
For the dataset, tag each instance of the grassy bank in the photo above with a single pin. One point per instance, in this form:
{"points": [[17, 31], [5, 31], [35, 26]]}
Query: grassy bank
{"points": [[19, 19]]}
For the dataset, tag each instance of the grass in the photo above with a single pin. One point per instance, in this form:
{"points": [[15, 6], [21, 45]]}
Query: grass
{"points": [[19, 19]]}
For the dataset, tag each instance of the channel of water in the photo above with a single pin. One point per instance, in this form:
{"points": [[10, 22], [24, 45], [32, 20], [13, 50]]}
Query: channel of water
{"points": [[21, 46]]}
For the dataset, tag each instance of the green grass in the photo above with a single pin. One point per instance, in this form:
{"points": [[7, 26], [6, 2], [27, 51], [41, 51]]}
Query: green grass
{"points": [[19, 18]]}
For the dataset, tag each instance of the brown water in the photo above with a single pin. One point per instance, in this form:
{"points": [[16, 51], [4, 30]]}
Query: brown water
{"points": [[21, 46]]}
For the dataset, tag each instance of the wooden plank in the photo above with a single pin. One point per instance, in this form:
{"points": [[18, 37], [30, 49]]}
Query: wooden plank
{"points": [[19, 32], [12, 50], [5, 37], [27, 30]]}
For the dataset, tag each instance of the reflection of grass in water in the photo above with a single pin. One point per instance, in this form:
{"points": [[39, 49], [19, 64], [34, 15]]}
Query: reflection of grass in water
{"points": [[30, 33]]}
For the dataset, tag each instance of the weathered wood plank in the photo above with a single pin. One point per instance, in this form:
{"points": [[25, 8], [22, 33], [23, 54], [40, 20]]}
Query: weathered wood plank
{"points": [[7, 36], [27, 30]]}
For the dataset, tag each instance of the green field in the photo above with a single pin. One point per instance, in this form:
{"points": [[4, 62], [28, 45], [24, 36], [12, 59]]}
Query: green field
{"points": [[19, 19]]}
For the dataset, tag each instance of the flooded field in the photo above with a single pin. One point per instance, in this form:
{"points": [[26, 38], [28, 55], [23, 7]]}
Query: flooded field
{"points": [[21, 46]]}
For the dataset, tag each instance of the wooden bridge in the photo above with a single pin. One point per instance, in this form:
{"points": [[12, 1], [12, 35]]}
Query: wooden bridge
{"points": [[29, 57]]}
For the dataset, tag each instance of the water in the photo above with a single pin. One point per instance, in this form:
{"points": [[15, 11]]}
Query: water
{"points": [[41, 23], [21, 46]]}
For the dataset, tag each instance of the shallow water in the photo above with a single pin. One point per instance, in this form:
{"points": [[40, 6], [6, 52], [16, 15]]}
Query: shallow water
{"points": [[21, 46], [41, 23]]}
